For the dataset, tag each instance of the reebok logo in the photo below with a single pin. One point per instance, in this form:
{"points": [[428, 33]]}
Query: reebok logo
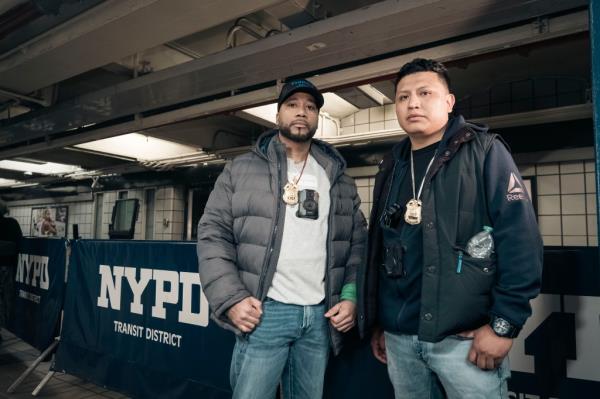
{"points": [[515, 191]]}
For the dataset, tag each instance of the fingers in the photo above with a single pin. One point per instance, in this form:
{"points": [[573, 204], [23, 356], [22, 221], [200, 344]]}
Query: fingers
{"points": [[378, 346], [488, 350], [245, 315], [485, 362], [256, 304], [345, 325], [473, 355], [333, 311], [467, 334], [342, 316], [481, 360]]}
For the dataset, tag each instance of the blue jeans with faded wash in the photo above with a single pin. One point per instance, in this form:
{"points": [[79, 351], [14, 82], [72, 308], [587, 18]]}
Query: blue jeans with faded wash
{"points": [[290, 345], [413, 366]]}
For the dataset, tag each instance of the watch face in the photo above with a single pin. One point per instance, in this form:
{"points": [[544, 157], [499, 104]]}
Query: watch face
{"points": [[501, 326]]}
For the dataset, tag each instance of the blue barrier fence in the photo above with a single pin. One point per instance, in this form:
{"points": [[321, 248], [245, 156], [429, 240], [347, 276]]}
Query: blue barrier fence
{"points": [[39, 291], [135, 320]]}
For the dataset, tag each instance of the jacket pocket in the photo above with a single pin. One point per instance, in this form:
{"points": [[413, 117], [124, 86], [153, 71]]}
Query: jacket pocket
{"points": [[476, 275]]}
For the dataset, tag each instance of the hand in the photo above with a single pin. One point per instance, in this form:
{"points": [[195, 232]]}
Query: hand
{"points": [[378, 345], [487, 350], [342, 315], [245, 314]]}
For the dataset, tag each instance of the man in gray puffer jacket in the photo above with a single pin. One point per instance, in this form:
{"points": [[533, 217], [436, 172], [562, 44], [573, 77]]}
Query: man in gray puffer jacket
{"points": [[278, 247]]}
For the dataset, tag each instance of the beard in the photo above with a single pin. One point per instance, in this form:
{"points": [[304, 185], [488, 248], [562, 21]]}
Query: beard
{"points": [[298, 137]]}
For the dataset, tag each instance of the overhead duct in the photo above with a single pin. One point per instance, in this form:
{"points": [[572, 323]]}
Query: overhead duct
{"points": [[349, 37]]}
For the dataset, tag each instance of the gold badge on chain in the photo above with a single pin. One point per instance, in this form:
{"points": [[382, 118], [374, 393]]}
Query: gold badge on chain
{"points": [[413, 212], [290, 193]]}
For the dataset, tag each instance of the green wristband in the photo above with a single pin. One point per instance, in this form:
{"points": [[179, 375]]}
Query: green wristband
{"points": [[349, 292]]}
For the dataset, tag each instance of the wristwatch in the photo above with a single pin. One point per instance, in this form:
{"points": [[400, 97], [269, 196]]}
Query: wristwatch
{"points": [[503, 328]]}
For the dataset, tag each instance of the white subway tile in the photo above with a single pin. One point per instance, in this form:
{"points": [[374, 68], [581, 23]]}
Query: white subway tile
{"points": [[573, 204], [549, 225], [364, 194], [548, 205], [572, 184], [574, 225], [548, 184], [547, 169], [376, 114], [364, 128], [390, 112], [590, 166], [376, 126], [575, 241], [571, 167], [590, 182], [361, 117], [552, 240], [348, 121], [527, 170], [392, 125], [592, 225]]}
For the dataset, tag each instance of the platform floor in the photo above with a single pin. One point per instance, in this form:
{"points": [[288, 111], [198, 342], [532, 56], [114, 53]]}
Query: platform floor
{"points": [[16, 356]]}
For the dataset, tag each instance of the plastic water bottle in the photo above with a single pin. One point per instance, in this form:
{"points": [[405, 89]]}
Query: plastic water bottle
{"points": [[481, 245]]}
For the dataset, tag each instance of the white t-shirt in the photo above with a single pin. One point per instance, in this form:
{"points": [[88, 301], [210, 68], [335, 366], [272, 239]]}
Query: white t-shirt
{"points": [[300, 275]]}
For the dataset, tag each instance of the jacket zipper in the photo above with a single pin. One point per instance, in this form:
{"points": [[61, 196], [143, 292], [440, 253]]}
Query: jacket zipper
{"points": [[273, 234], [328, 293], [459, 262]]}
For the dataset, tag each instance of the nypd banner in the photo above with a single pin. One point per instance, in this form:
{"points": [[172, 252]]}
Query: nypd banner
{"points": [[39, 291], [136, 320]]}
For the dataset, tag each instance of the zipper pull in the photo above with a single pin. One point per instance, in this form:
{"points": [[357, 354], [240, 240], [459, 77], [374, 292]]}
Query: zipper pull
{"points": [[459, 263]]}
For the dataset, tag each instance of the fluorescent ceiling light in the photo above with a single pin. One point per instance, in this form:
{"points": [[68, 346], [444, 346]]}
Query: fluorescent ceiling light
{"points": [[265, 114], [47, 168], [375, 94], [8, 182], [139, 146], [24, 184], [337, 107]]}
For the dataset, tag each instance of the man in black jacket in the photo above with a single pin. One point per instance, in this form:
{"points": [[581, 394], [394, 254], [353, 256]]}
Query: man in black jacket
{"points": [[455, 254]]}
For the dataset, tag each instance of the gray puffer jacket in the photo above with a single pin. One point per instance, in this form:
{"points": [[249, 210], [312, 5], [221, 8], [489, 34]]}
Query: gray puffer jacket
{"points": [[240, 233]]}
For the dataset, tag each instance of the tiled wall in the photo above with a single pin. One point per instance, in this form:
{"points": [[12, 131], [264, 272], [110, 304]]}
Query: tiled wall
{"points": [[566, 205], [566, 200], [168, 214], [364, 186], [79, 213], [169, 206], [370, 120]]}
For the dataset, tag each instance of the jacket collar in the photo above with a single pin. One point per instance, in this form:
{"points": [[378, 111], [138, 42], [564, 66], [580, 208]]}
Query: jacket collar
{"points": [[268, 146], [458, 132]]}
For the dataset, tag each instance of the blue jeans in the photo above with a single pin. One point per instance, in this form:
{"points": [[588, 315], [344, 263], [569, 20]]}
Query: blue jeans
{"points": [[413, 366], [291, 345]]}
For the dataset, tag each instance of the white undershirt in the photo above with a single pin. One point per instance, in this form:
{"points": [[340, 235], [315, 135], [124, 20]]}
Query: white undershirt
{"points": [[300, 275]]}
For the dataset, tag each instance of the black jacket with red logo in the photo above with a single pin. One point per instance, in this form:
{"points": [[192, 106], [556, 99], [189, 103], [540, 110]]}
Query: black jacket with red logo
{"points": [[473, 182]]}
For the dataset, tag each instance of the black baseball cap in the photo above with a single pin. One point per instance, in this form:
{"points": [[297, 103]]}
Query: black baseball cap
{"points": [[300, 85]]}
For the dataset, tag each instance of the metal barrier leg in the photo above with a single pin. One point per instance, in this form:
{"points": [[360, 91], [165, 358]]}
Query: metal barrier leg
{"points": [[42, 383], [33, 366]]}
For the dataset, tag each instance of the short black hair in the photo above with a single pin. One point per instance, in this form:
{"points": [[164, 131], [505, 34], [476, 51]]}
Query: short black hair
{"points": [[423, 65]]}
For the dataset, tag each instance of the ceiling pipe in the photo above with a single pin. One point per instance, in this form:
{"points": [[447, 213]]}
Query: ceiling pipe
{"points": [[253, 30], [19, 96]]}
